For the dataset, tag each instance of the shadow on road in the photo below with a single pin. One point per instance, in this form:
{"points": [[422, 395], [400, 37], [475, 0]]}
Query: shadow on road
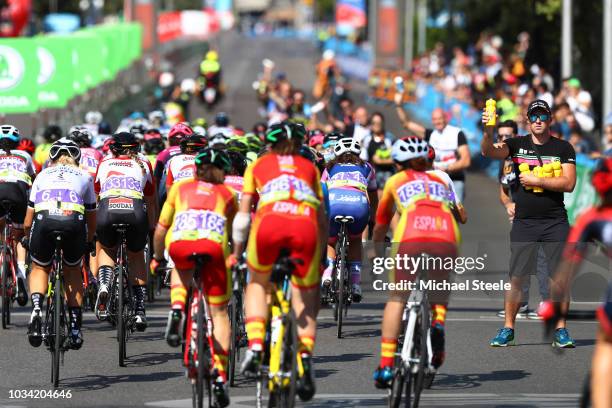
{"points": [[97, 382], [464, 381], [151, 359], [340, 358]]}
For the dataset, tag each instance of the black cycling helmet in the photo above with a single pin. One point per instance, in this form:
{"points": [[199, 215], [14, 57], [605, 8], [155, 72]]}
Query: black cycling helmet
{"points": [[154, 146], [285, 131], [331, 139], [307, 153], [193, 143], [239, 161], [216, 157], [52, 133], [221, 119], [80, 135], [104, 128], [124, 141]]}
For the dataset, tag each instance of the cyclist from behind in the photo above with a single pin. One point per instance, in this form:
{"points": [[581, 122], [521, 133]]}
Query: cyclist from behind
{"points": [[90, 157], [182, 166], [62, 199], [221, 125], [235, 176], [177, 132], [352, 187], [195, 219], [126, 196], [16, 174], [290, 216], [153, 145], [28, 146], [427, 225]]}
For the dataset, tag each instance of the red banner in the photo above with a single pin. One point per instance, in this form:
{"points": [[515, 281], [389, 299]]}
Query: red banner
{"points": [[388, 28], [144, 15], [169, 26]]}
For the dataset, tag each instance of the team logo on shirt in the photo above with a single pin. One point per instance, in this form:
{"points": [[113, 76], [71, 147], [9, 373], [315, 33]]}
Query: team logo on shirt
{"points": [[120, 204]]}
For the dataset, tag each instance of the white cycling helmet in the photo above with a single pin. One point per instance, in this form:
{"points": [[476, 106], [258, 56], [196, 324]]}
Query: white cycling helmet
{"points": [[65, 145], [218, 139], [347, 145], [93, 117], [409, 148], [200, 130]]}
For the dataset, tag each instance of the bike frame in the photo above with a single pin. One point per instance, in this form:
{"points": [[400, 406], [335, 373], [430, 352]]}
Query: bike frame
{"points": [[417, 299], [6, 289]]}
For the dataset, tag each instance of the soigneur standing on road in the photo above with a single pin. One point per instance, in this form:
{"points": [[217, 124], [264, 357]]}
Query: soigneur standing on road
{"points": [[540, 217], [449, 143]]}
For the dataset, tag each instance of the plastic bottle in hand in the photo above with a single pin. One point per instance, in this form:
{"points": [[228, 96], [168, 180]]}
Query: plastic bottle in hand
{"points": [[557, 170], [399, 84], [524, 168], [538, 172], [490, 107]]}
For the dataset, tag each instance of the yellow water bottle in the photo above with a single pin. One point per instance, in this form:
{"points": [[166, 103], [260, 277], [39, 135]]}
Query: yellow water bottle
{"points": [[491, 111], [524, 168], [557, 170], [538, 172]]}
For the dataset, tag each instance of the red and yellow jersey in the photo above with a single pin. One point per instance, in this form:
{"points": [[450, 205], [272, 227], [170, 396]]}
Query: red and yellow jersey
{"points": [[289, 184], [424, 203], [196, 210]]}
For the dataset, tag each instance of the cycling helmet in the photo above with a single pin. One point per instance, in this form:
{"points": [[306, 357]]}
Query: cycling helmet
{"points": [[253, 142], [216, 157], [166, 79], [285, 131], [192, 143], [218, 139], [602, 176], [138, 130], [137, 115], [347, 145], [409, 148], [93, 118], [154, 146], [222, 120], [65, 145], [199, 122], [9, 132], [124, 141], [431, 156], [52, 133], [80, 135], [200, 130], [331, 139], [157, 116], [104, 128], [307, 153], [179, 130], [26, 145], [238, 131], [238, 145], [315, 137], [239, 161], [152, 134], [212, 55]]}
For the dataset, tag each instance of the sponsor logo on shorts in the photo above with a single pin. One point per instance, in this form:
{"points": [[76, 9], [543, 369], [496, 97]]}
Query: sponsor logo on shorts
{"points": [[430, 223], [120, 204]]}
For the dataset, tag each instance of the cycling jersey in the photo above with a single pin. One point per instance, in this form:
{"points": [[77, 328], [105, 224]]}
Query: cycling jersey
{"points": [[197, 215], [16, 167], [162, 160], [60, 196], [124, 177], [286, 217], [423, 201], [594, 225], [236, 183], [90, 158], [348, 185], [41, 154], [179, 167], [452, 196]]}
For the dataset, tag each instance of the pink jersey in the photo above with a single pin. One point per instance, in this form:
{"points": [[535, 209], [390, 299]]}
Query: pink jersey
{"points": [[163, 158], [124, 177], [180, 167], [90, 159]]}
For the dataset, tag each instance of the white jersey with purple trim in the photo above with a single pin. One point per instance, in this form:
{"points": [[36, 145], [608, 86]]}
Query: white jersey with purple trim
{"points": [[180, 167], [16, 166], [454, 198], [62, 190], [124, 177]]}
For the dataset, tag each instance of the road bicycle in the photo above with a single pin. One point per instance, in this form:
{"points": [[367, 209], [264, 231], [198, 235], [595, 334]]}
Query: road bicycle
{"points": [[413, 370], [282, 364], [121, 308], [56, 326], [339, 293], [238, 337], [8, 290]]}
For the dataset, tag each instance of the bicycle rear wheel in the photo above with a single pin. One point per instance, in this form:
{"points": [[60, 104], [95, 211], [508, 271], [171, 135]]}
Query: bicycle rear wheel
{"points": [[57, 327], [233, 346], [342, 284], [203, 371], [397, 387], [121, 329], [289, 361], [421, 333], [6, 300]]}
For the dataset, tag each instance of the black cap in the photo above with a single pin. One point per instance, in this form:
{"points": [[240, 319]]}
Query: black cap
{"points": [[538, 104]]}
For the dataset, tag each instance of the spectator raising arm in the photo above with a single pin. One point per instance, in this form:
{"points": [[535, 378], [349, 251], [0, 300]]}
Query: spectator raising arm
{"points": [[493, 151], [416, 129]]}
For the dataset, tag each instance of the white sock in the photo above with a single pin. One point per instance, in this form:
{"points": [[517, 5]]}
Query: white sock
{"points": [[21, 270]]}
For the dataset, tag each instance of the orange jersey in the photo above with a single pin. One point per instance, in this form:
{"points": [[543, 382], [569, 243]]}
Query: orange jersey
{"points": [[198, 210], [287, 184], [424, 202]]}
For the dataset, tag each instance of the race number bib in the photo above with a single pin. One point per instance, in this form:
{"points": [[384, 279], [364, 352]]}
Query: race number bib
{"points": [[199, 224]]}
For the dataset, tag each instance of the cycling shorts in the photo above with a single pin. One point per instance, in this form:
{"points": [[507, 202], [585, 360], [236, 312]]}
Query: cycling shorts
{"points": [[17, 194], [42, 234], [272, 231], [348, 203], [122, 210], [604, 313], [215, 277]]}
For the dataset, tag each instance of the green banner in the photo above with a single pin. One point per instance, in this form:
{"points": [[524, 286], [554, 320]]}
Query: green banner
{"points": [[90, 48], [19, 69], [55, 86], [584, 195]]}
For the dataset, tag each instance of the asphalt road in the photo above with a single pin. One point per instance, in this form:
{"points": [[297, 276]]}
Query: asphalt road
{"points": [[474, 375]]}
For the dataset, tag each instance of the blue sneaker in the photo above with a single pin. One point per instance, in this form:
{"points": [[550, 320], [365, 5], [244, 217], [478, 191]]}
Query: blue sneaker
{"points": [[383, 376], [504, 338], [563, 339]]}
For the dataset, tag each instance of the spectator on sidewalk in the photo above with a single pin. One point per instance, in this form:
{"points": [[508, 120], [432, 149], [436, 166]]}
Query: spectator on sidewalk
{"points": [[376, 149], [449, 143]]}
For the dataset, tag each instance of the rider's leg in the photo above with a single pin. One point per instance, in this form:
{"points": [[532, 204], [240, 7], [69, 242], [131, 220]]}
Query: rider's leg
{"points": [[327, 272], [22, 296], [392, 317], [39, 278], [256, 309], [221, 334], [74, 298], [106, 264]]}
